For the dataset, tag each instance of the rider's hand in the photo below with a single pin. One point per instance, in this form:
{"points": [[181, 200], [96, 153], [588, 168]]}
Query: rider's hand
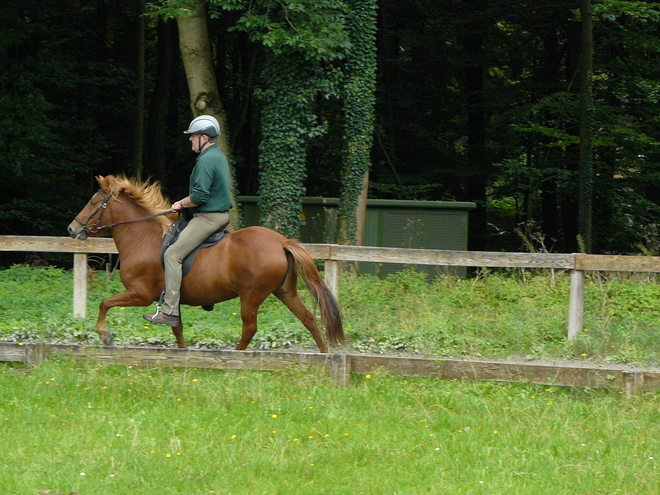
{"points": [[176, 207]]}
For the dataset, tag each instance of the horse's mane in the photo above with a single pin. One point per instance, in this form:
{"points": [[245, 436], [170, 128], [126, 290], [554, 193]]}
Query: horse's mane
{"points": [[146, 194]]}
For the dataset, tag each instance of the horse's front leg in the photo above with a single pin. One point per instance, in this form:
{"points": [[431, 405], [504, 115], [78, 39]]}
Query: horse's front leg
{"points": [[124, 298]]}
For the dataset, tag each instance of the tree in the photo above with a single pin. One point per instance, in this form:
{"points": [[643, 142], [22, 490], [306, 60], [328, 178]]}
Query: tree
{"points": [[586, 125], [197, 56], [156, 158], [198, 62], [137, 146], [477, 164], [479, 104], [288, 123], [359, 89], [300, 41]]}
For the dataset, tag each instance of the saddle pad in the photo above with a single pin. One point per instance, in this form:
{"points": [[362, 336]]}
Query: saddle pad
{"points": [[173, 234]]}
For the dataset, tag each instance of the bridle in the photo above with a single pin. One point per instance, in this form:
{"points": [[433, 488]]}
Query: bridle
{"points": [[100, 210]]}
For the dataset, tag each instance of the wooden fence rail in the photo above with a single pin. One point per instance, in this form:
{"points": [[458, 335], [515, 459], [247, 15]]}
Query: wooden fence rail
{"points": [[341, 366], [332, 254]]}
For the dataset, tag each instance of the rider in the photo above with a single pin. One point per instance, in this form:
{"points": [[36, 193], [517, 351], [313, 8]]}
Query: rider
{"points": [[209, 202]]}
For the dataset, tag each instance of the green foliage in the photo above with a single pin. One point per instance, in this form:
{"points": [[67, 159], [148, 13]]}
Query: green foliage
{"points": [[57, 124], [299, 39], [529, 56], [68, 83], [360, 103], [314, 29], [625, 147], [509, 314], [291, 86]]}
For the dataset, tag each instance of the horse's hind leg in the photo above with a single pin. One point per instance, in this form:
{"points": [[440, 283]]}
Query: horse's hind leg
{"points": [[249, 309], [296, 306]]}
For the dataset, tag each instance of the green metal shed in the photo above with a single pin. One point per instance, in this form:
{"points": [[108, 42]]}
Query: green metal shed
{"points": [[389, 223]]}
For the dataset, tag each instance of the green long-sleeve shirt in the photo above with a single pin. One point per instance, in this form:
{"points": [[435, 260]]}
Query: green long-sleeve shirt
{"points": [[210, 181]]}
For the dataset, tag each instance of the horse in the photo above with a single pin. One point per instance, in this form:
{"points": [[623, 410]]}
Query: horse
{"points": [[249, 263]]}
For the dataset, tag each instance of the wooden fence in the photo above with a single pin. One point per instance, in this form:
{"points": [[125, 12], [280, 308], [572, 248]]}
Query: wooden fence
{"points": [[341, 366], [332, 254]]}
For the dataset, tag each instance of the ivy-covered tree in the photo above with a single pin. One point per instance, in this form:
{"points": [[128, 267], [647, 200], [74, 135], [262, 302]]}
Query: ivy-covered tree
{"points": [[300, 41], [288, 122], [359, 97]]}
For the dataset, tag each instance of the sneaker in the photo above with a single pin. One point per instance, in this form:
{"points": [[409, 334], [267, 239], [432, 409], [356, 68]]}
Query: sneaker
{"points": [[160, 318]]}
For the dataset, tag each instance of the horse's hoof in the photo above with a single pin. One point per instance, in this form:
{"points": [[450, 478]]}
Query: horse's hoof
{"points": [[109, 339]]}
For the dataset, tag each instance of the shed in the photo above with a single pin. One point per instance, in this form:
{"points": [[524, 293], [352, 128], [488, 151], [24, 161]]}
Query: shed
{"points": [[389, 223]]}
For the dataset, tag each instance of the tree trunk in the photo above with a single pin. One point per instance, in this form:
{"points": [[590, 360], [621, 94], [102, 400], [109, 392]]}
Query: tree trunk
{"points": [[586, 127], [476, 125], [388, 74], [568, 195], [137, 144], [548, 80], [197, 58], [360, 105], [156, 164], [361, 212], [287, 122]]}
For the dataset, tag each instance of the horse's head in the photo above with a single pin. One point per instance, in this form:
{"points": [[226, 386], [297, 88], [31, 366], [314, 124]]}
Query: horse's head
{"points": [[92, 218], [119, 201]]}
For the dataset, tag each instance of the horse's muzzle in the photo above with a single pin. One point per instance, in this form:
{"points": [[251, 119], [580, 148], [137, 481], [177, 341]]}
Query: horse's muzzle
{"points": [[77, 232]]}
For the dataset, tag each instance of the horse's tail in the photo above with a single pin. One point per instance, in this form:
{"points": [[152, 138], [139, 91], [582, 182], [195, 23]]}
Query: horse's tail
{"points": [[330, 313]]}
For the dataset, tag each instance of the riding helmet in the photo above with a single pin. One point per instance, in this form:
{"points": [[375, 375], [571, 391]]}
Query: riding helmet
{"points": [[204, 124]]}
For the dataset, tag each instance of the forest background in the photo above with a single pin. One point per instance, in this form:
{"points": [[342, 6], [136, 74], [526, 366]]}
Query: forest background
{"points": [[544, 113]]}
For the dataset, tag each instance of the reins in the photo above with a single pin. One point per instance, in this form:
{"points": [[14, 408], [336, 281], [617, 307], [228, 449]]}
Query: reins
{"points": [[100, 210], [166, 212]]}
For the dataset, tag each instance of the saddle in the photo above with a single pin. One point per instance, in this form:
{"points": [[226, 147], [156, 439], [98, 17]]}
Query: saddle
{"points": [[173, 233]]}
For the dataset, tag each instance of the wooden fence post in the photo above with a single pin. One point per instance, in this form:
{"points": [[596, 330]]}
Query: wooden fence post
{"points": [[80, 285], [576, 304], [341, 369], [331, 276], [633, 382], [35, 354]]}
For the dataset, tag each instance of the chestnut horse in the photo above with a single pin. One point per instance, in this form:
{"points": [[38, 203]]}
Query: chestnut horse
{"points": [[250, 263]]}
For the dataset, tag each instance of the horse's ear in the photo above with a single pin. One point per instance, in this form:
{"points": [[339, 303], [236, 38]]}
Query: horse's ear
{"points": [[105, 182]]}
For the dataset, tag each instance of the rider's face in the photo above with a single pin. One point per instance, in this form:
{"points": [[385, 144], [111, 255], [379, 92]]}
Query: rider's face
{"points": [[198, 142]]}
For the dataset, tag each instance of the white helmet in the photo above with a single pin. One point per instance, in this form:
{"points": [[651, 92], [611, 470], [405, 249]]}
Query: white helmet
{"points": [[204, 124]]}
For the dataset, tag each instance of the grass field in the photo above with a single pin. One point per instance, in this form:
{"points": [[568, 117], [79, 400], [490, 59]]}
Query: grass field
{"points": [[513, 314], [96, 429]]}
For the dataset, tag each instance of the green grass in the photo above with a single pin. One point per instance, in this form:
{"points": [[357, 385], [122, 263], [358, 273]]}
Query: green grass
{"points": [[518, 314], [100, 429], [97, 429]]}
